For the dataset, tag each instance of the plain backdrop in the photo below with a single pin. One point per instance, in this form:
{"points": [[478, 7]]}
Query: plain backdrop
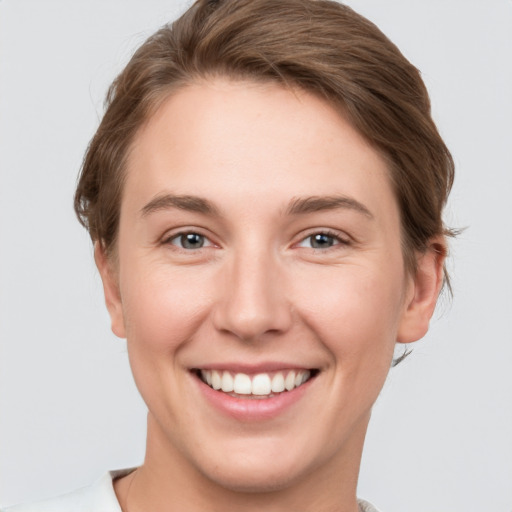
{"points": [[441, 434]]}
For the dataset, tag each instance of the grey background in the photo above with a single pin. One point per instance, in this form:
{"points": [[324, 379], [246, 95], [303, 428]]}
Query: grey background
{"points": [[441, 435]]}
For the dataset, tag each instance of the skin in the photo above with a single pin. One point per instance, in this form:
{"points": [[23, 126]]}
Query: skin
{"points": [[258, 291]]}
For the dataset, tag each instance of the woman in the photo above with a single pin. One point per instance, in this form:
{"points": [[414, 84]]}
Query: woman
{"points": [[264, 195]]}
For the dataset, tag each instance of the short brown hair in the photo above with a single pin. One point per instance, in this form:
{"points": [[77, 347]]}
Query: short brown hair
{"points": [[320, 46]]}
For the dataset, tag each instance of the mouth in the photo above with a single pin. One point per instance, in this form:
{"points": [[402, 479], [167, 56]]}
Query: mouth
{"points": [[257, 386]]}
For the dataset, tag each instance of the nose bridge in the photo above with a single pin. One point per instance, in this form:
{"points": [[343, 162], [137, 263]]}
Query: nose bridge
{"points": [[253, 299]]}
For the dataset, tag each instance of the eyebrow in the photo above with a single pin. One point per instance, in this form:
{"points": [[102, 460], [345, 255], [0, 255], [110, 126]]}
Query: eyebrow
{"points": [[182, 202], [297, 206], [313, 204]]}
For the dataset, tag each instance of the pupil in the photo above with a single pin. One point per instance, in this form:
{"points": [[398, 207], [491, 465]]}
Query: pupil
{"points": [[321, 241], [192, 241]]}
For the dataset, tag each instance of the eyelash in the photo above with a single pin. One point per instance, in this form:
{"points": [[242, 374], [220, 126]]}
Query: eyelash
{"points": [[337, 240], [181, 236]]}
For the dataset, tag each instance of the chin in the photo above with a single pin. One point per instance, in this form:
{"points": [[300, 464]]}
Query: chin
{"points": [[260, 466], [253, 478]]}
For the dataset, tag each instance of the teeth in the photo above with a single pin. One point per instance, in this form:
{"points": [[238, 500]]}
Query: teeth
{"points": [[227, 382], [216, 380], [289, 382], [261, 384], [242, 384], [278, 383]]}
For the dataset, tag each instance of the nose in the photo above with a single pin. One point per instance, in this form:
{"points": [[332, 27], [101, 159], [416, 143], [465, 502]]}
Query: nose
{"points": [[252, 301]]}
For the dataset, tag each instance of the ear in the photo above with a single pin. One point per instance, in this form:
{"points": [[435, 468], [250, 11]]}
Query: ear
{"points": [[110, 289], [422, 293]]}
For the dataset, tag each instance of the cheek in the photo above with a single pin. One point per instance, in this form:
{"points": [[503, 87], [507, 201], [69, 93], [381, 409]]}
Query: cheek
{"points": [[163, 307], [163, 313], [356, 312]]}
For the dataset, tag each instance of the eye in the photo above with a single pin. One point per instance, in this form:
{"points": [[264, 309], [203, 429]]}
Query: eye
{"points": [[322, 240], [189, 241]]}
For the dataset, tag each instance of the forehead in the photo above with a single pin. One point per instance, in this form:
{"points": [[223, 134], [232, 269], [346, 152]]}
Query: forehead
{"points": [[255, 142]]}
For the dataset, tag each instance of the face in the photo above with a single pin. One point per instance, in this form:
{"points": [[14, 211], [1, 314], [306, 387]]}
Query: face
{"points": [[259, 253]]}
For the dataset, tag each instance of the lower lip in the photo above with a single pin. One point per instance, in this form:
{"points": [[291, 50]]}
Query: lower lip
{"points": [[252, 409]]}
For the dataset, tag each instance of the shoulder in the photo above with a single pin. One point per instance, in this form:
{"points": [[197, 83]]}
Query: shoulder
{"points": [[365, 506], [98, 497]]}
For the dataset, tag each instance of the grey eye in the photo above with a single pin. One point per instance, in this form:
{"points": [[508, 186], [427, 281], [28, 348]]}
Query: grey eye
{"points": [[189, 241], [321, 241]]}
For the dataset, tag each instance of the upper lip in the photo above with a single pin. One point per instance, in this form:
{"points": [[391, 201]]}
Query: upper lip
{"points": [[253, 368]]}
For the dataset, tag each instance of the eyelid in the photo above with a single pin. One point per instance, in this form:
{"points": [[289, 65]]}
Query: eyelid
{"points": [[171, 235], [340, 236]]}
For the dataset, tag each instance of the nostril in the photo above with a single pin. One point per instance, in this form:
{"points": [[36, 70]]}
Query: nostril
{"points": [[252, 301], [252, 321]]}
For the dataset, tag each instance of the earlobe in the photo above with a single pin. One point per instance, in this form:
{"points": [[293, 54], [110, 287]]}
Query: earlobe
{"points": [[110, 290], [423, 293]]}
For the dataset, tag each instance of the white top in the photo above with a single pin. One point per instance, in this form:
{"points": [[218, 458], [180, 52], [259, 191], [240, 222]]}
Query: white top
{"points": [[100, 497]]}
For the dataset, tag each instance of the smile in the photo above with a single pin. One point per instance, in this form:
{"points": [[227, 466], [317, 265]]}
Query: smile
{"points": [[263, 385]]}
